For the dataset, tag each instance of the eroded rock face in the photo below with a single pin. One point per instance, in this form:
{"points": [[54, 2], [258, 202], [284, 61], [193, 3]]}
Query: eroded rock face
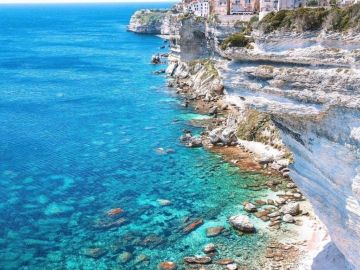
{"points": [[148, 21], [317, 111], [313, 107]]}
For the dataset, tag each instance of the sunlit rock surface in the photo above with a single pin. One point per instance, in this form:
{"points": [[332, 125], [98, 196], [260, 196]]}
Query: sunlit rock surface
{"points": [[312, 95]]}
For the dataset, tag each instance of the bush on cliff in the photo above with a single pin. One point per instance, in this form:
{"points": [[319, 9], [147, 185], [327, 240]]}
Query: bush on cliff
{"points": [[236, 40], [150, 17], [302, 19], [312, 19], [343, 19]]}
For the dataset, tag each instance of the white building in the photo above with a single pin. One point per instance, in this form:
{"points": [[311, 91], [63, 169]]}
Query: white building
{"points": [[199, 8], [267, 6], [348, 2]]}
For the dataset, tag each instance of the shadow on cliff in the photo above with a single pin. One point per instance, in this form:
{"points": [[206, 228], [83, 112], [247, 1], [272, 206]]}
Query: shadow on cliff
{"points": [[330, 258]]}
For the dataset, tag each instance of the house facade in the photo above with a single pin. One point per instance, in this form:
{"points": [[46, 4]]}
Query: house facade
{"points": [[199, 8], [267, 6], [233, 7]]}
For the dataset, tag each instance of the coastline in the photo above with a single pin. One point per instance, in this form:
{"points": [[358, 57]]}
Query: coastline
{"points": [[294, 246], [278, 109]]}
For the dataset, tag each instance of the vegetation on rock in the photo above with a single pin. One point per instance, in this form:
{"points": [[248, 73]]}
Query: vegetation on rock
{"points": [[312, 19], [208, 64], [149, 17], [236, 40], [251, 129]]}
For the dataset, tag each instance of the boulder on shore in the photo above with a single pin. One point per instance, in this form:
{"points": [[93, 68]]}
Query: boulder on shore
{"points": [[249, 207], [292, 208], [242, 223], [288, 218]]}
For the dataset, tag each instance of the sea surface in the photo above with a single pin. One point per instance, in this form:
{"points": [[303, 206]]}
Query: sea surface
{"points": [[85, 129]]}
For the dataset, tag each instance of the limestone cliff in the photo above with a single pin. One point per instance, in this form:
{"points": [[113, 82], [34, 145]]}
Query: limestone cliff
{"points": [[297, 92], [149, 21]]}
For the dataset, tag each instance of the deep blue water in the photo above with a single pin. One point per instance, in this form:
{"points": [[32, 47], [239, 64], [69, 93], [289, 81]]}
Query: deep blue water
{"points": [[81, 117]]}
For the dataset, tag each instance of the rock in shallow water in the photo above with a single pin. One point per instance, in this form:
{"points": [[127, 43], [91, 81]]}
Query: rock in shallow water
{"points": [[214, 231], [95, 253], [249, 207], [209, 248], [225, 261], [124, 257], [197, 260], [193, 225], [242, 223], [163, 202], [167, 266]]}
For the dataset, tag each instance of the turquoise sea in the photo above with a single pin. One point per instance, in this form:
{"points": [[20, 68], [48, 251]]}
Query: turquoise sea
{"points": [[81, 120]]}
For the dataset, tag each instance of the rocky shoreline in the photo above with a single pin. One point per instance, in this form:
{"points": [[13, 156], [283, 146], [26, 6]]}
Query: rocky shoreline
{"points": [[219, 137], [269, 109]]}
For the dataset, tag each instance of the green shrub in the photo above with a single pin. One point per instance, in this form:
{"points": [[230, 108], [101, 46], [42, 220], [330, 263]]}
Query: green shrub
{"points": [[312, 19], [236, 40]]}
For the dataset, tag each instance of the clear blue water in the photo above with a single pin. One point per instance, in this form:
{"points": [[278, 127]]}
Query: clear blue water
{"points": [[81, 117]]}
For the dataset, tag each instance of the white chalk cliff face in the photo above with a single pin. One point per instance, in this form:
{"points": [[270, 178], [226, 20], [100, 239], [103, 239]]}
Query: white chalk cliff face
{"points": [[317, 110], [310, 87]]}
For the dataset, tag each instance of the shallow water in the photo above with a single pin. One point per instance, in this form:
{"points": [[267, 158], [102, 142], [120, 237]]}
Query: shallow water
{"points": [[81, 121]]}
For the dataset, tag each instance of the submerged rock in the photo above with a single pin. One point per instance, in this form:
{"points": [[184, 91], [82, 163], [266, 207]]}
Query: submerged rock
{"points": [[95, 253], [193, 225], [214, 231], [141, 258], [124, 257], [242, 223], [209, 248], [198, 260], [114, 212], [225, 261], [167, 266], [163, 202]]}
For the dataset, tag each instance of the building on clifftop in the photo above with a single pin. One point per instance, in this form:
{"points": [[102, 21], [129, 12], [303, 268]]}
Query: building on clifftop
{"points": [[200, 8], [204, 8], [267, 6], [233, 7]]}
